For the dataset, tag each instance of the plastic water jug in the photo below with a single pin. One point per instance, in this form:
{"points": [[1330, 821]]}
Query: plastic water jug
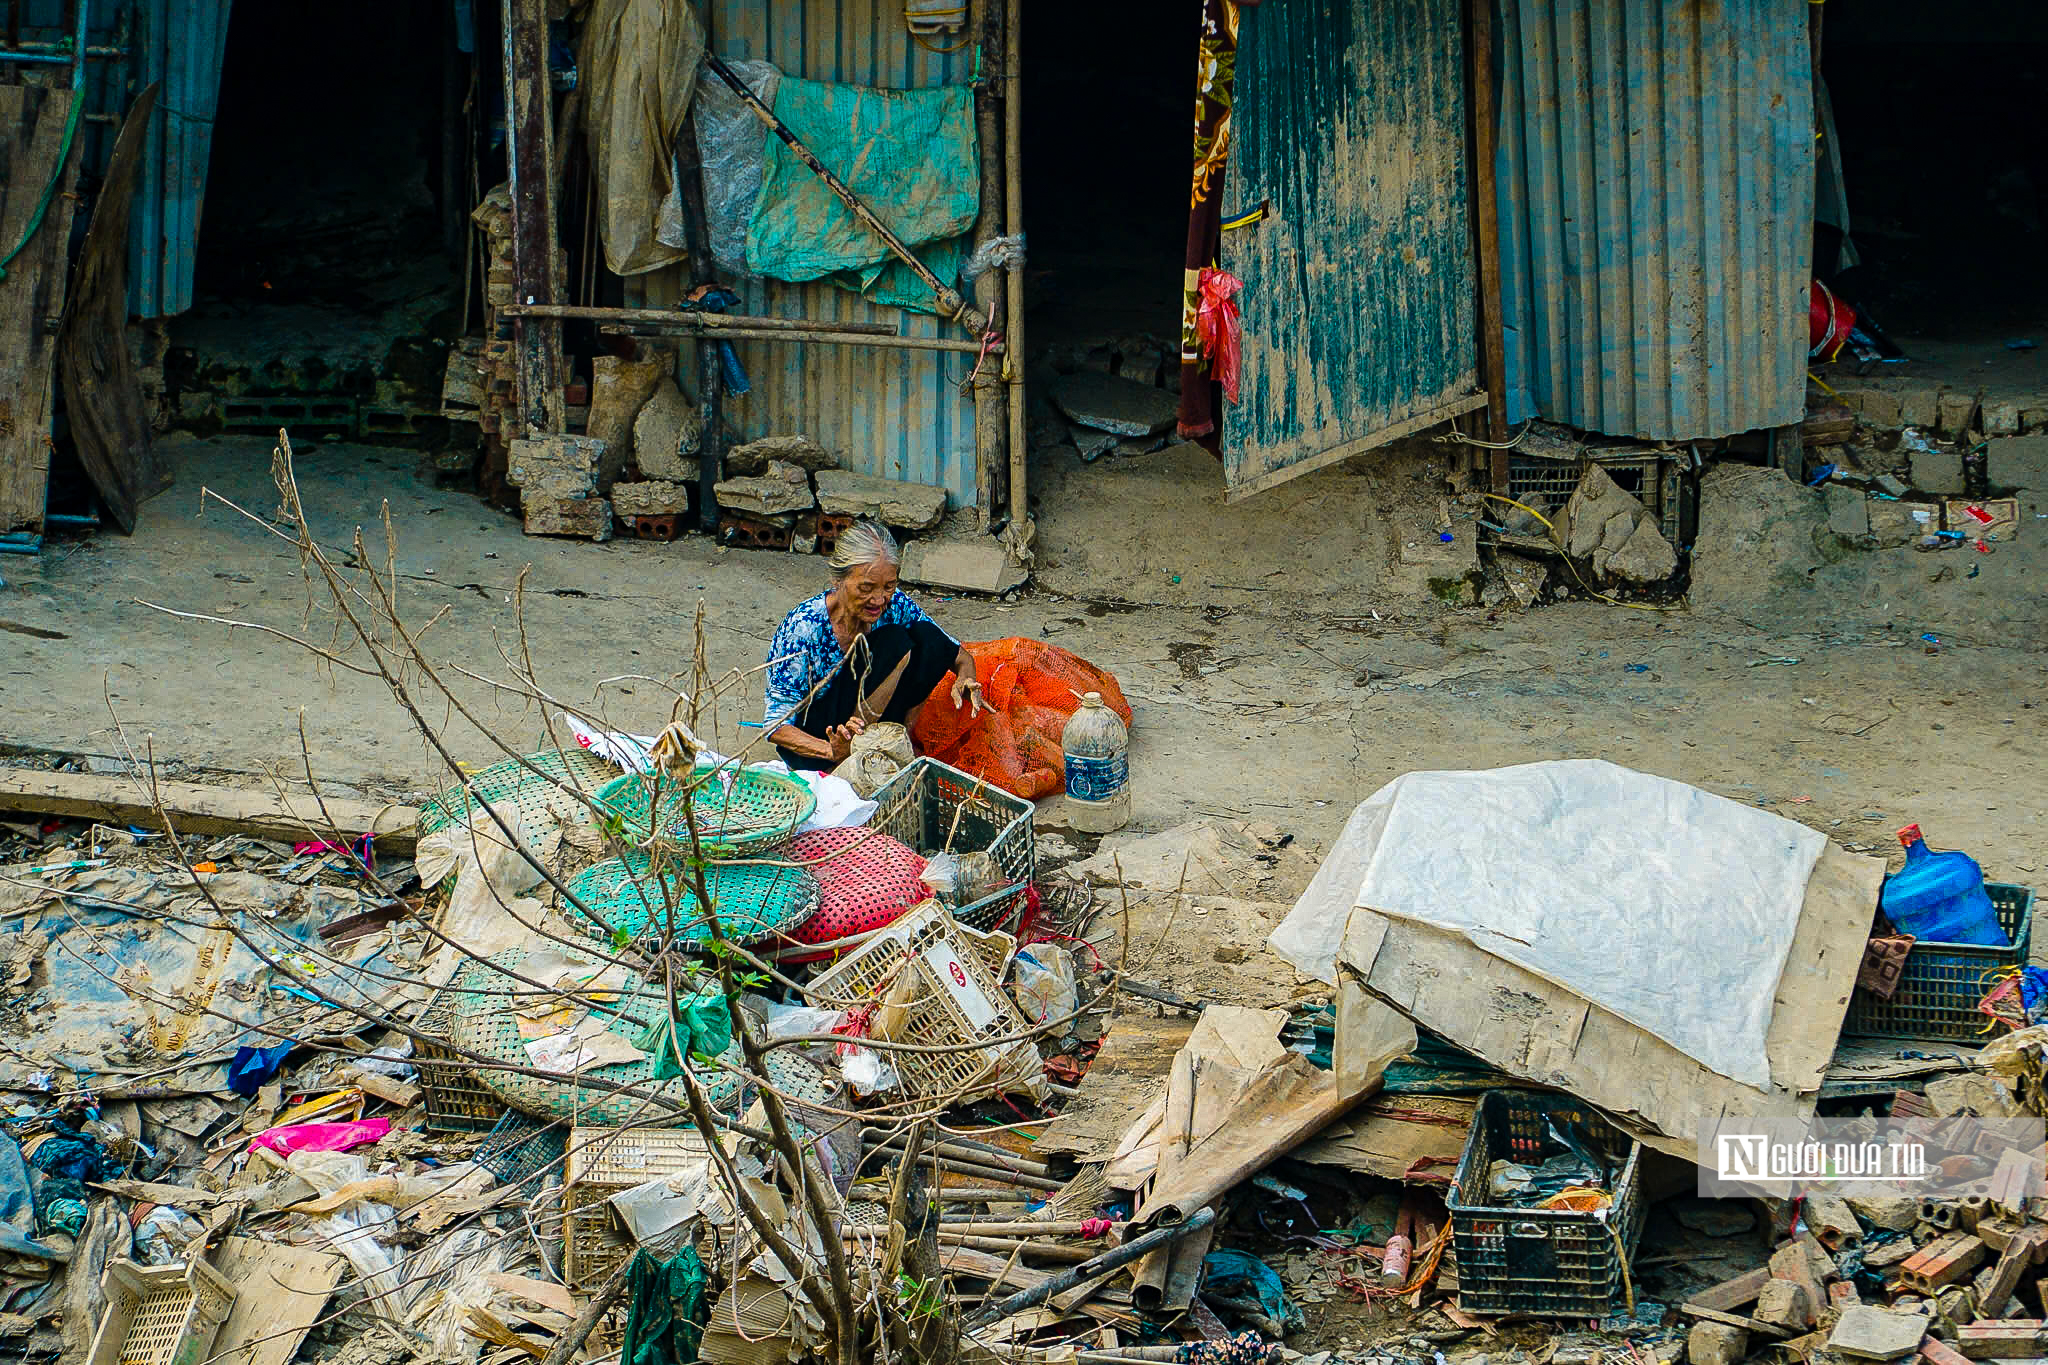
{"points": [[1094, 745], [1939, 897]]}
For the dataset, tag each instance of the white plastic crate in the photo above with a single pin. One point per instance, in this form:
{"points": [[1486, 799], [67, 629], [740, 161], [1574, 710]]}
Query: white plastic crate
{"points": [[955, 999], [160, 1314]]}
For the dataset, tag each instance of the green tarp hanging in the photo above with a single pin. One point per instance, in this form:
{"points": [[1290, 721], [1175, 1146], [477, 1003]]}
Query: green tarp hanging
{"points": [[665, 1321]]}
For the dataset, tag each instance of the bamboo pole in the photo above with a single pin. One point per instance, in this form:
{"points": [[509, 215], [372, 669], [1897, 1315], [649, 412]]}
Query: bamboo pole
{"points": [[1013, 211], [978, 1153], [1044, 1251], [887, 340], [983, 1171], [1090, 1269], [991, 396], [698, 320]]}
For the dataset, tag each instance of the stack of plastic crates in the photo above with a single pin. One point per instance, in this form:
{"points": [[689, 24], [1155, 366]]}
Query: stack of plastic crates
{"points": [[456, 1101], [1938, 990], [601, 1163], [160, 1314], [1547, 1262], [954, 999], [939, 809]]}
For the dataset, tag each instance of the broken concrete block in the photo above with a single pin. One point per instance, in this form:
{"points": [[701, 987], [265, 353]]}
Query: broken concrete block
{"points": [[2034, 420], [1605, 524], [1874, 407], [787, 472], [981, 564], [2001, 417], [553, 516], [1920, 405], [1937, 469], [1895, 1212], [1646, 557], [754, 456], [1972, 1093], [1108, 403], [650, 498], [1876, 1333], [761, 496], [1781, 1303], [1092, 445], [1524, 577], [912, 506], [555, 466], [1833, 1222], [1953, 413], [668, 429], [2017, 462], [618, 390], [1713, 1343], [1848, 511]]}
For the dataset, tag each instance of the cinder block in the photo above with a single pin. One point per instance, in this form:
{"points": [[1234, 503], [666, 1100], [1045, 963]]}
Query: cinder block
{"points": [[1874, 407], [2017, 462], [2001, 417], [1784, 1304], [1920, 406], [1938, 469], [1954, 412], [1848, 511]]}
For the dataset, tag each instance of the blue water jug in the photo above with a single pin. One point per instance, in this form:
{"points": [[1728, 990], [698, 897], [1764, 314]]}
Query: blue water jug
{"points": [[1939, 897]]}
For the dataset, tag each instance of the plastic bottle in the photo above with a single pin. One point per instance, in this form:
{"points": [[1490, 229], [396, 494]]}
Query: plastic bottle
{"points": [[1939, 897], [1098, 773]]}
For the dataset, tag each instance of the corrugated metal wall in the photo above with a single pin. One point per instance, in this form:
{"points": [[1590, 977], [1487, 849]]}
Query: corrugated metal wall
{"points": [[181, 43], [1655, 182], [1348, 122], [895, 413]]}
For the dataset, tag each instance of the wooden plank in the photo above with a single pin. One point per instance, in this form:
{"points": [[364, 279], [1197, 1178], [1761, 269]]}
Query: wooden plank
{"points": [[101, 395], [281, 1292], [32, 122], [1485, 117], [199, 809], [529, 132], [1761, 1328], [1731, 1294]]}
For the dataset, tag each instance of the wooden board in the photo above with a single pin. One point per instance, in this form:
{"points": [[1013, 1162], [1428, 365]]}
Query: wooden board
{"points": [[1533, 1028], [198, 809], [1397, 1137], [1125, 1077], [32, 122], [101, 395], [281, 1291]]}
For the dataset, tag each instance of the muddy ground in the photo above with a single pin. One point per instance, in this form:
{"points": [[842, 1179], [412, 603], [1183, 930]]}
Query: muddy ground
{"points": [[1287, 703]]}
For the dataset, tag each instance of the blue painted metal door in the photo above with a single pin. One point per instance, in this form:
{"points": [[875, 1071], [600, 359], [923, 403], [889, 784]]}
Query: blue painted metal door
{"points": [[1349, 125]]}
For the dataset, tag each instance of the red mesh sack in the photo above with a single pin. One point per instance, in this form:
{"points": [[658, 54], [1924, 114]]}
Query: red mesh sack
{"points": [[866, 881], [1034, 689]]}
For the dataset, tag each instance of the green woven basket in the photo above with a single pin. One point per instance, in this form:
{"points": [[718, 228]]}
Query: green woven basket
{"points": [[513, 784], [487, 1024], [738, 811], [753, 902]]}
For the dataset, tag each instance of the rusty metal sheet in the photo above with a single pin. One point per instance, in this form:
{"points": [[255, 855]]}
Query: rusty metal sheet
{"points": [[1349, 125]]}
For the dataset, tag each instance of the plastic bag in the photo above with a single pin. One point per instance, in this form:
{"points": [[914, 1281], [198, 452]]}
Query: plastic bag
{"points": [[321, 1137], [1219, 330], [1044, 986], [878, 753], [731, 145], [1033, 688], [867, 1073], [161, 1237]]}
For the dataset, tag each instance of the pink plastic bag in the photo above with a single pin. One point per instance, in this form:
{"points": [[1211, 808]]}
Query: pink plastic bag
{"points": [[321, 1137]]}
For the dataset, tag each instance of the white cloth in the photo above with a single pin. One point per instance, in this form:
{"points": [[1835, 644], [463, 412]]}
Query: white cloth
{"points": [[1666, 905], [839, 805]]}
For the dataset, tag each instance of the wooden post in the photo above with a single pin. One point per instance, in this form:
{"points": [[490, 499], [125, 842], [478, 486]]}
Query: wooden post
{"points": [[991, 432], [529, 156], [710, 447], [1013, 217], [1486, 230]]}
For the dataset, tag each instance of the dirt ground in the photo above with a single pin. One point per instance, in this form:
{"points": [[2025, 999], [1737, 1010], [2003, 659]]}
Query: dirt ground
{"points": [[1794, 683]]}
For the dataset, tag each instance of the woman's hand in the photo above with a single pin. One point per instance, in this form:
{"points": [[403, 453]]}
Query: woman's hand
{"points": [[840, 738], [967, 692]]}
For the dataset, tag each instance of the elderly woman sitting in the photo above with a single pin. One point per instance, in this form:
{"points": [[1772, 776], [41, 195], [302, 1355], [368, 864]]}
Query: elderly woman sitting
{"points": [[858, 653]]}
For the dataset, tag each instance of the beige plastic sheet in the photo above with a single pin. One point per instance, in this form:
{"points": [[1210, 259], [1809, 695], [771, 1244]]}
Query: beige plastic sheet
{"points": [[640, 62]]}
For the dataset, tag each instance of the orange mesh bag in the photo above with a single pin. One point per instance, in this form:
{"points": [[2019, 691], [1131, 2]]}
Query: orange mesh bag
{"points": [[1034, 689]]}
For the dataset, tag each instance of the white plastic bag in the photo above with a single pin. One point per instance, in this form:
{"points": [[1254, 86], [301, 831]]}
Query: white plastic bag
{"points": [[1043, 985]]}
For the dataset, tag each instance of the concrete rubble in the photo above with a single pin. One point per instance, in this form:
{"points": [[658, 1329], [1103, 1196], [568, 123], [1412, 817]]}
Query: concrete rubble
{"points": [[908, 506], [1112, 404], [666, 434]]}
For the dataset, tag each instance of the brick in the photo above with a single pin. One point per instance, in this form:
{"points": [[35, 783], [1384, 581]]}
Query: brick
{"points": [[1920, 405], [654, 527], [2019, 1338], [2019, 1254], [1942, 1263], [553, 516], [650, 498], [1842, 1294], [1884, 961], [1875, 407], [1939, 1353], [2001, 417], [2017, 462], [1792, 1264], [2034, 420], [1895, 1212], [1731, 1294], [830, 526], [1954, 413], [1848, 511], [558, 466], [762, 496], [753, 533], [1713, 1343], [1937, 469]]}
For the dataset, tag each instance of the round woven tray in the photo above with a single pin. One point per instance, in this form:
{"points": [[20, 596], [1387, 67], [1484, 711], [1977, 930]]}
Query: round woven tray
{"points": [[511, 783], [753, 901], [738, 811], [487, 1024]]}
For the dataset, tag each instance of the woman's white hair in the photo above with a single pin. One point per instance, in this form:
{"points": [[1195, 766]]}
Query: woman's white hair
{"points": [[861, 544]]}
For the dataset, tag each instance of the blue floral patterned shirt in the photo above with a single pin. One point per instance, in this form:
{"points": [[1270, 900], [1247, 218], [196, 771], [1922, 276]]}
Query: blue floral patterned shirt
{"points": [[805, 652]]}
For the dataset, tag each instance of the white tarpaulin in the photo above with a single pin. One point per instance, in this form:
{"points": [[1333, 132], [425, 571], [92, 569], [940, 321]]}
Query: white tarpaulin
{"points": [[1666, 905]]}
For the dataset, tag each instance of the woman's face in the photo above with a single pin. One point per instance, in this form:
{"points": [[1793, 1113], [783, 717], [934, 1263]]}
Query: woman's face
{"points": [[868, 590]]}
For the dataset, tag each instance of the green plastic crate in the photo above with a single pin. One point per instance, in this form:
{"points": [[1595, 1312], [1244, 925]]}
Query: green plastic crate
{"points": [[1938, 992]]}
